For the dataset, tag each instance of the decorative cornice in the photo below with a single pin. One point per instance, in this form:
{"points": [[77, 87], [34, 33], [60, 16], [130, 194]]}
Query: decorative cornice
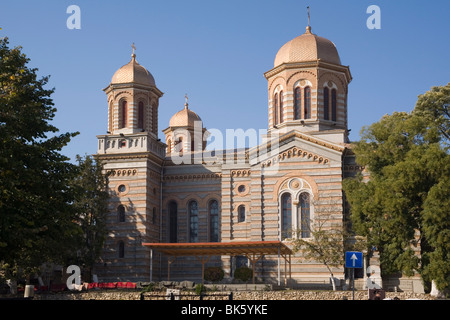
{"points": [[292, 153], [295, 134], [309, 64], [241, 173], [192, 177]]}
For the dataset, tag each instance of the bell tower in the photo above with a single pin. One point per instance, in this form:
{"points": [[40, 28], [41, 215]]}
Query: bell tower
{"points": [[132, 156], [308, 89]]}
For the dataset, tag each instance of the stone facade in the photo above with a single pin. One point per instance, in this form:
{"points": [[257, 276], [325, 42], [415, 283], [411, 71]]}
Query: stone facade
{"points": [[179, 191]]}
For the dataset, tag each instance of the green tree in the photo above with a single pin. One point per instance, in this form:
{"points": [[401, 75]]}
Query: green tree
{"points": [[91, 205], [328, 239], [36, 217], [407, 157]]}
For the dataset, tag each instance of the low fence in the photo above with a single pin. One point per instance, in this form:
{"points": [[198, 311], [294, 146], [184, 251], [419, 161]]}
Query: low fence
{"points": [[185, 296]]}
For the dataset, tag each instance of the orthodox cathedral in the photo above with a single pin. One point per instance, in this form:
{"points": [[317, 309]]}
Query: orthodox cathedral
{"points": [[171, 191]]}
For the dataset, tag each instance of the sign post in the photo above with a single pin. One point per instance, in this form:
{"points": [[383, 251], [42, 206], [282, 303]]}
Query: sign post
{"points": [[353, 260]]}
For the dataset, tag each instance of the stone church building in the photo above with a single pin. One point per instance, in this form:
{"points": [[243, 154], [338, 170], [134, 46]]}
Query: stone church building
{"points": [[171, 189]]}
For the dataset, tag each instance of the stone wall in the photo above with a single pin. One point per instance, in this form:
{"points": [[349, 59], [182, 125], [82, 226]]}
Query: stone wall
{"points": [[237, 295]]}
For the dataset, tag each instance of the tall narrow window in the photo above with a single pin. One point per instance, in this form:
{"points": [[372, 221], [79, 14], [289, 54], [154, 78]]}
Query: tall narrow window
{"points": [[241, 213], [305, 226], [326, 104], [333, 104], [307, 108], [275, 109], [111, 117], [193, 221], [179, 145], [286, 216], [281, 108], [173, 222], [214, 221], [169, 146], [121, 249], [141, 115], [124, 114], [121, 213], [297, 103]]}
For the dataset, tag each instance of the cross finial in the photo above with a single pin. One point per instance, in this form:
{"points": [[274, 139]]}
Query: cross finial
{"points": [[308, 14], [134, 48], [186, 103]]}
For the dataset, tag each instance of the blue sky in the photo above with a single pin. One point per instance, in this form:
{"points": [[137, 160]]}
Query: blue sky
{"points": [[217, 52]]}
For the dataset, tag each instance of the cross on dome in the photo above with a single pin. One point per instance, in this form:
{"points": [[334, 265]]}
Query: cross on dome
{"points": [[134, 48]]}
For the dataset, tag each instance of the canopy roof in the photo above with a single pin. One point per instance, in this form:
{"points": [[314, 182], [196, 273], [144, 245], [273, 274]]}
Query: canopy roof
{"points": [[221, 248], [253, 250]]}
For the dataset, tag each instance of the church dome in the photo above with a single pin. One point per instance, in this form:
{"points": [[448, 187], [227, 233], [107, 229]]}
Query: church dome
{"points": [[307, 47], [133, 72], [184, 118]]}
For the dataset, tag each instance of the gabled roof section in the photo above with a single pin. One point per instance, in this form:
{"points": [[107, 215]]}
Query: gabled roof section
{"points": [[286, 138]]}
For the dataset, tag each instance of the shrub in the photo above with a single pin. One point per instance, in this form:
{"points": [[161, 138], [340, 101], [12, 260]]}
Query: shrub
{"points": [[243, 273], [213, 274], [200, 288]]}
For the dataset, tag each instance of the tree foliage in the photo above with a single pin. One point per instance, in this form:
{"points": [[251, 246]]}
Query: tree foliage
{"points": [[329, 239], [36, 216], [403, 209], [91, 206]]}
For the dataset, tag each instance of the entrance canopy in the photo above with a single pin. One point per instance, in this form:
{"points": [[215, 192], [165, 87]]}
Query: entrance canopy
{"points": [[253, 250]]}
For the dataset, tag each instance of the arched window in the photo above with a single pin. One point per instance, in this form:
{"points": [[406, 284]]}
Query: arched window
{"points": [[124, 114], [121, 249], [213, 221], [305, 208], [333, 105], [169, 146], [281, 107], [173, 222], [141, 115], [307, 99], [326, 104], [121, 213], [179, 145], [111, 117], [286, 216], [193, 221], [241, 213], [275, 109], [297, 103]]}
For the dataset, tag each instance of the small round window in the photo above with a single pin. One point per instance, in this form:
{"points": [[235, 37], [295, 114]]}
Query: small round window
{"points": [[122, 188], [241, 188]]}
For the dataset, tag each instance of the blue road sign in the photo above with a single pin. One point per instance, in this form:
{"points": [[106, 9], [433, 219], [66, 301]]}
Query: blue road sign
{"points": [[353, 259]]}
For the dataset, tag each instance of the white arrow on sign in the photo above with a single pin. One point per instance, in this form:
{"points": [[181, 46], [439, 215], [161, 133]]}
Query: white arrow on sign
{"points": [[354, 258]]}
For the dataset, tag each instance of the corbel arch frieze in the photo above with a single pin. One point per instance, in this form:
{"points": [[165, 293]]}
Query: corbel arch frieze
{"points": [[279, 80], [295, 152], [327, 76], [123, 94], [308, 75]]}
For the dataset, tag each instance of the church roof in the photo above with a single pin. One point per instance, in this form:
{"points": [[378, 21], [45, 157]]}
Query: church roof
{"points": [[307, 47], [184, 118], [133, 72]]}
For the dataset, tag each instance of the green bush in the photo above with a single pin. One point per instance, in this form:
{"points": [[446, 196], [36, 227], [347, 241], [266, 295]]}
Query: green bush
{"points": [[213, 274], [243, 273], [200, 288]]}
